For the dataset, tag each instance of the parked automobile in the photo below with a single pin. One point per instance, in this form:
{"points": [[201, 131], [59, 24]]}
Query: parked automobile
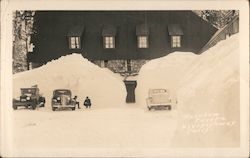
{"points": [[160, 99], [29, 98], [62, 99]]}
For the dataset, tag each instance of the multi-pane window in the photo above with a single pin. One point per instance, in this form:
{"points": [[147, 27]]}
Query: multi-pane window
{"points": [[74, 43], [176, 41], [142, 41], [109, 42]]}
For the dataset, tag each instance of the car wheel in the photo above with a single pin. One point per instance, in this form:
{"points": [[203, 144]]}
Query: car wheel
{"points": [[53, 109], [42, 105], [73, 108], [33, 107], [149, 108]]}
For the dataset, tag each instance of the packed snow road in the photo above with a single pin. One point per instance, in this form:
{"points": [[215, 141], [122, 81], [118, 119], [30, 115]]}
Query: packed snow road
{"points": [[92, 128]]}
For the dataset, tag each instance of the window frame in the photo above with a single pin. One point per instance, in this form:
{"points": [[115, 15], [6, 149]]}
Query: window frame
{"points": [[176, 43], [75, 44], [142, 44], [110, 43], [129, 65]]}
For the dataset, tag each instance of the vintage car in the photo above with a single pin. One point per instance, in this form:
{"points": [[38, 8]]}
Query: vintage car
{"points": [[30, 98], [62, 99], [160, 99]]}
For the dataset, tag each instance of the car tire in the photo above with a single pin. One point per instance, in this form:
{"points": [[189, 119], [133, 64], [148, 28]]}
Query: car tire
{"points": [[33, 107], [149, 108], [53, 109], [42, 105], [73, 108]]}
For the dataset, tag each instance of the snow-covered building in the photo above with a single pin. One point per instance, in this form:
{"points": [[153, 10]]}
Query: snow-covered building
{"points": [[120, 40]]}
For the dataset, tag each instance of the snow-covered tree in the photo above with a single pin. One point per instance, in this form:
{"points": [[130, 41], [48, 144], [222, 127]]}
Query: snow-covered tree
{"points": [[22, 31], [218, 18]]}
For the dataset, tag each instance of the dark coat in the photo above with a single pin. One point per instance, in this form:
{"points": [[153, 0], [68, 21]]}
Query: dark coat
{"points": [[87, 102]]}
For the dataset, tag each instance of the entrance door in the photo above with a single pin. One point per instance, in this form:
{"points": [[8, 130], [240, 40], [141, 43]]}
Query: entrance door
{"points": [[130, 87]]}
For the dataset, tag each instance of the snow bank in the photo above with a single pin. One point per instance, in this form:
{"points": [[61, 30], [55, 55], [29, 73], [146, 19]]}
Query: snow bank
{"points": [[79, 75], [188, 75], [212, 82], [166, 72], [205, 85]]}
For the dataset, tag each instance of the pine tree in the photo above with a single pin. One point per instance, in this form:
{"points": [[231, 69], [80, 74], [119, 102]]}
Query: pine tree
{"points": [[22, 31], [218, 18]]}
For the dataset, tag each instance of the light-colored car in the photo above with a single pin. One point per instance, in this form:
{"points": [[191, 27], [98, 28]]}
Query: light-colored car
{"points": [[160, 99], [62, 99]]}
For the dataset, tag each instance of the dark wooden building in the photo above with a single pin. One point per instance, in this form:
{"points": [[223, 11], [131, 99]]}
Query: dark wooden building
{"points": [[119, 40]]}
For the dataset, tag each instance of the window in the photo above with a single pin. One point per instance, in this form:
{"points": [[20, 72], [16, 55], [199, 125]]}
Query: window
{"points": [[176, 41], [109, 42], [142, 33], [74, 43], [142, 41], [104, 63], [175, 32], [129, 66]]}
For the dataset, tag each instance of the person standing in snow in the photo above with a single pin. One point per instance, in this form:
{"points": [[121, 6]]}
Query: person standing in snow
{"points": [[77, 103], [87, 102]]}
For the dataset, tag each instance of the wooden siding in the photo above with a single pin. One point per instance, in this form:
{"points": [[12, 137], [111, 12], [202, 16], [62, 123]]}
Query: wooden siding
{"points": [[52, 27]]}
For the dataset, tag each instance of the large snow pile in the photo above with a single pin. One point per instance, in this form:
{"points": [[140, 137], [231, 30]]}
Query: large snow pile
{"points": [[166, 72], [188, 75], [79, 75], [205, 85]]}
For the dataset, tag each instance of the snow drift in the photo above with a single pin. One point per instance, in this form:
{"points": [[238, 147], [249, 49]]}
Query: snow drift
{"points": [[187, 75], [203, 84], [79, 75]]}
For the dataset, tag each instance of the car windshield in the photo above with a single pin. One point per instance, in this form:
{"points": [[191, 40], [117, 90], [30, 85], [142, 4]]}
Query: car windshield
{"points": [[157, 91], [28, 92], [62, 92]]}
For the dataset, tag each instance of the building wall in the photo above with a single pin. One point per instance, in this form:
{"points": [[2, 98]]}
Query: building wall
{"points": [[51, 41], [121, 66]]}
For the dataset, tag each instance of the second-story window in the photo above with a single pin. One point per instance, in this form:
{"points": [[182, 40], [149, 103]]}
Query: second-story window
{"points": [[74, 42], [142, 41], [176, 33], [142, 34], [109, 42], [109, 34], [74, 36], [176, 41]]}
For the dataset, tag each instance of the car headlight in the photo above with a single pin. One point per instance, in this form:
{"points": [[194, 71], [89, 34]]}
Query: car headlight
{"points": [[28, 98], [58, 98]]}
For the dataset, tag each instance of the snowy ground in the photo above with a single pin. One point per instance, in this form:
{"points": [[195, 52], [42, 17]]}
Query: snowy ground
{"points": [[207, 114], [91, 128]]}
